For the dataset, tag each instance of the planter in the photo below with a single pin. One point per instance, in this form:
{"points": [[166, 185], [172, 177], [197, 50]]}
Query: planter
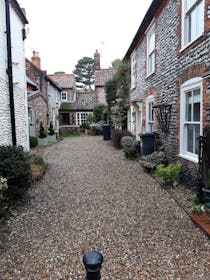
{"points": [[42, 141], [51, 138]]}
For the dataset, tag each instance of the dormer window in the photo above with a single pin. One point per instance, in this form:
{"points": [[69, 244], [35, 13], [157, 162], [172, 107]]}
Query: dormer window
{"points": [[63, 96]]}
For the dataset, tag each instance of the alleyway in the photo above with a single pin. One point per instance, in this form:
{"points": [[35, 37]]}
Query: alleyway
{"points": [[93, 198]]}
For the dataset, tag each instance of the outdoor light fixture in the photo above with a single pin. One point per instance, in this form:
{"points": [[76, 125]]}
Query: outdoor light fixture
{"points": [[163, 115]]}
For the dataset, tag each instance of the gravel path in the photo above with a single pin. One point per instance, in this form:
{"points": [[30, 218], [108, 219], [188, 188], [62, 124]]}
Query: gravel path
{"points": [[93, 198]]}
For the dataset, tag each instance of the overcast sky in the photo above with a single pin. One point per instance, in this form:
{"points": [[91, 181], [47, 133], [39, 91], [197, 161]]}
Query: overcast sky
{"points": [[65, 31]]}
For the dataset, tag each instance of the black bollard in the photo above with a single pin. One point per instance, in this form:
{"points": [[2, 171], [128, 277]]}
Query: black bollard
{"points": [[92, 261]]}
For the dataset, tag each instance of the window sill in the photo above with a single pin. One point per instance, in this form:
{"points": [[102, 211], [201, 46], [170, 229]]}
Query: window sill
{"points": [[150, 75], [190, 158], [192, 43]]}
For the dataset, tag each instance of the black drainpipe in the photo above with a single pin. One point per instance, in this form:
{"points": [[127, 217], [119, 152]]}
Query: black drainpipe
{"points": [[9, 72]]}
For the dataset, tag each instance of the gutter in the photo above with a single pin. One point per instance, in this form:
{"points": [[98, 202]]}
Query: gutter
{"points": [[9, 72]]}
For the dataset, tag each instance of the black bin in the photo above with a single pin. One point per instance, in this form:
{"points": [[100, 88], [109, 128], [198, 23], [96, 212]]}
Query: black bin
{"points": [[107, 132], [147, 143]]}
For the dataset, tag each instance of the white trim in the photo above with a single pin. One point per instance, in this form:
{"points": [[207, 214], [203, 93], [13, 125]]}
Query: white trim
{"points": [[133, 70], [187, 86], [149, 99], [150, 54], [62, 99], [184, 27]]}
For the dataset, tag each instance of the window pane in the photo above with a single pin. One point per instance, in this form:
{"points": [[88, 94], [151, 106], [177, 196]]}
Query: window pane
{"points": [[190, 138], [188, 106], [196, 105], [189, 3], [200, 18], [197, 134], [151, 41], [193, 25]]}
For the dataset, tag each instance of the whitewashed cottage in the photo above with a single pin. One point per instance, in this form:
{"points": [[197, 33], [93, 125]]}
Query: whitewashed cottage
{"points": [[13, 95]]}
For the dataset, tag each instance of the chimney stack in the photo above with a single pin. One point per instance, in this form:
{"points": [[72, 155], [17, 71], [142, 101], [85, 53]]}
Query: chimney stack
{"points": [[36, 59], [97, 60]]}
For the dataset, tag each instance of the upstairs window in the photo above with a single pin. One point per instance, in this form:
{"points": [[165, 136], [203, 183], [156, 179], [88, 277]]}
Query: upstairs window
{"points": [[193, 20], [64, 96], [151, 50], [133, 70]]}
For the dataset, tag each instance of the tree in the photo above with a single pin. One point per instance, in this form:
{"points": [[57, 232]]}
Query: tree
{"points": [[99, 112], [117, 92], [84, 73], [111, 92]]}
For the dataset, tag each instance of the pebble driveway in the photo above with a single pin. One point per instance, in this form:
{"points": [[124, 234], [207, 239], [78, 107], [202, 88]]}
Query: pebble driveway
{"points": [[93, 198]]}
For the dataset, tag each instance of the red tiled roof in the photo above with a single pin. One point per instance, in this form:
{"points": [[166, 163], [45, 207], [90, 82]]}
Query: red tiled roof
{"points": [[104, 75], [64, 80]]}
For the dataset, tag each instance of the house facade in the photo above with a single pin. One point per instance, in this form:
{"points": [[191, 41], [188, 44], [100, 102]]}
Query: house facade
{"points": [[37, 95], [54, 102], [170, 64], [13, 105], [75, 105]]}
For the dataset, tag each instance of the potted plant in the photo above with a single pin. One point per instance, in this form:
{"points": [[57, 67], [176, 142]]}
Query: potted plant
{"points": [[51, 137], [42, 140]]}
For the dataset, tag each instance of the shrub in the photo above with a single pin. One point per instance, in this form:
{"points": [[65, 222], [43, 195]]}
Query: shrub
{"points": [[168, 174], [130, 146], [96, 128], [84, 126], [51, 129], [117, 134], [14, 166], [37, 165], [42, 133], [33, 141], [90, 118], [150, 162]]}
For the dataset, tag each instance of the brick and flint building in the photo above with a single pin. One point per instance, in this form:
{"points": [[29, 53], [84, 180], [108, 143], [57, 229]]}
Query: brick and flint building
{"points": [[170, 64]]}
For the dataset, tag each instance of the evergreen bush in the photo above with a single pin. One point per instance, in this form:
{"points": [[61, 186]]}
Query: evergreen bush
{"points": [[42, 133], [33, 141], [168, 174], [14, 166], [117, 134], [130, 146], [51, 129]]}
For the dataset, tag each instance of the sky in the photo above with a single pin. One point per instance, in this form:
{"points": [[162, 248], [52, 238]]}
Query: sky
{"points": [[65, 31]]}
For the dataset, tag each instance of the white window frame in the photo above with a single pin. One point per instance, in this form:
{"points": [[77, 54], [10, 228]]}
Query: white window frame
{"points": [[186, 18], [133, 70], [150, 52], [149, 117], [63, 99], [80, 119], [190, 85]]}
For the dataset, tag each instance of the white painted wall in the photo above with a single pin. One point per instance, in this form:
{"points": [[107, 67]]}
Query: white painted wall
{"points": [[19, 77], [54, 101]]}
